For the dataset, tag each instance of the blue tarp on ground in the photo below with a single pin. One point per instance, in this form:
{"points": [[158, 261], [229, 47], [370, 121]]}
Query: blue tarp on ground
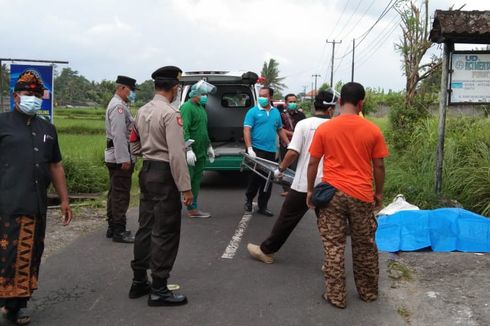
{"points": [[445, 229]]}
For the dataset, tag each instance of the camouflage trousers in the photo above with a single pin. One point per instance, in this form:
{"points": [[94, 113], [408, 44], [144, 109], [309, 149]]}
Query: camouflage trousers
{"points": [[332, 224]]}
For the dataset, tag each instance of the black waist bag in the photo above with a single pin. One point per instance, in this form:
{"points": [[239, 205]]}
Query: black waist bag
{"points": [[322, 194]]}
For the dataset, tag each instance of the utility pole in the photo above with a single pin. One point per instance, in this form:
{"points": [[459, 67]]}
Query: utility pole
{"points": [[333, 56], [1, 86], [311, 95], [353, 53], [315, 76]]}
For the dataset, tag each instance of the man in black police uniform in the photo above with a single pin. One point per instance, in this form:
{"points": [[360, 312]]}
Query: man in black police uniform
{"points": [[30, 159], [158, 137], [118, 123]]}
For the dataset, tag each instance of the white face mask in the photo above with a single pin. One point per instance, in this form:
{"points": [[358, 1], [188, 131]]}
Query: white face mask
{"points": [[30, 104]]}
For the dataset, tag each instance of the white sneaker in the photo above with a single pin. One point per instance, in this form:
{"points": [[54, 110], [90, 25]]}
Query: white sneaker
{"points": [[258, 254], [195, 213]]}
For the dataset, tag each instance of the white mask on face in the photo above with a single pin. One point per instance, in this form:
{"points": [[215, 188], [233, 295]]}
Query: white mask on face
{"points": [[30, 104]]}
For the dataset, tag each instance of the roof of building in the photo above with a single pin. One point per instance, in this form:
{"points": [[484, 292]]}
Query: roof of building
{"points": [[457, 26]]}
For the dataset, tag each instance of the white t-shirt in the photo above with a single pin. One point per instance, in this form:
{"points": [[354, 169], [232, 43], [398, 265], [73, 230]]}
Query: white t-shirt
{"points": [[301, 141]]}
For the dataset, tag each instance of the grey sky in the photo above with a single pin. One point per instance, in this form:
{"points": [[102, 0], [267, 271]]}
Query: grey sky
{"points": [[104, 38]]}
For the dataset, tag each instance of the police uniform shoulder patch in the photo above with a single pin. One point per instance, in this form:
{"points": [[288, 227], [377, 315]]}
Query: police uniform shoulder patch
{"points": [[120, 110]]}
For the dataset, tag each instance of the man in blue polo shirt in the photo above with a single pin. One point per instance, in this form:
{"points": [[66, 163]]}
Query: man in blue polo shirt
{"points": [[260, 129]]}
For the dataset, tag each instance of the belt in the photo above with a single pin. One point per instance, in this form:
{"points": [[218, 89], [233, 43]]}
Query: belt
{"points": [[160, 165]]}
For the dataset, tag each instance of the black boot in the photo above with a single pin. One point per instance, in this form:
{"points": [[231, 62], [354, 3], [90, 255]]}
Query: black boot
{"points": [[164, 297], [248, 206], [122, 237], [139, 288]]}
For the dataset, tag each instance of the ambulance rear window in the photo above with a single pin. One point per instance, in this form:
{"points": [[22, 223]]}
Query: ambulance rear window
{"points": [[236, 100]]}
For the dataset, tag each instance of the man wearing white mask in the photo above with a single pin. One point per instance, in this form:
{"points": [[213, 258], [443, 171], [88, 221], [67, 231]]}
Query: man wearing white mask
{"points": [[261, 126], [195, 124], [118, 159], [30, 160]]}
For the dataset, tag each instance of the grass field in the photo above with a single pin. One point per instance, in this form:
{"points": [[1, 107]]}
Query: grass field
{"points": [[466, 165], [82, 142]]}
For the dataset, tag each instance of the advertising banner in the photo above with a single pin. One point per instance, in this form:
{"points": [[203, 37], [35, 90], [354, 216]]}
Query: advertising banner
{"points": [[46, 74], [470, 78]]}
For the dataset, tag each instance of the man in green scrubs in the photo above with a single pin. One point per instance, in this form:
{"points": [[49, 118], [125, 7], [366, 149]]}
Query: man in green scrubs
{"points": [[195, 123]]}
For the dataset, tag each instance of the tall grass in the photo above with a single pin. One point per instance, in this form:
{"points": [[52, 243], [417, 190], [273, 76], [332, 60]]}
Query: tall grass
{"points": [[83, 159], [466, 174], [84, 126]]}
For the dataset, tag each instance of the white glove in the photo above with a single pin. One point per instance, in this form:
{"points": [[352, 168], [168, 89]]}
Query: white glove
{"points": [[278, 174], [211, 154], [251, 152], [191, 158]]}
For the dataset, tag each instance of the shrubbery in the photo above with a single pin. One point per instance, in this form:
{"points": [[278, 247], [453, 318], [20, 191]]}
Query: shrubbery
{"points": [[466, 165], [85, 176]]}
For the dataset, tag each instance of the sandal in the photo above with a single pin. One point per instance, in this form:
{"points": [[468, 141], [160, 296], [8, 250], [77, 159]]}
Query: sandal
{"points": [[21, 317]]}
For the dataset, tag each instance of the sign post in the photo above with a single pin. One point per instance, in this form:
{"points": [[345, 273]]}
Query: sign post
{"points": [[46, 74], [50, 79], [470, 77]]}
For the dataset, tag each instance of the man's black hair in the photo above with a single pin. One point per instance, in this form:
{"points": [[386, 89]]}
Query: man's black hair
{"points": [[164, 85], [324, 97], [352, 93], [270, 89], [287, 96]]}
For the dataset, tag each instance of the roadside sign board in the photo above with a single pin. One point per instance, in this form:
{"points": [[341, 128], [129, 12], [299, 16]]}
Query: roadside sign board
{"points": [[46, 74], [470, 77]]}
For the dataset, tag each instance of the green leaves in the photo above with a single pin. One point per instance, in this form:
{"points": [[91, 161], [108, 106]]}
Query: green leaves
{"points": [[270, 70]]}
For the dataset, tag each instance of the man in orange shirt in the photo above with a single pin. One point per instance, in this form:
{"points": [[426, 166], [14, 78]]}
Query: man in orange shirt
{"points": [[353, 150]]}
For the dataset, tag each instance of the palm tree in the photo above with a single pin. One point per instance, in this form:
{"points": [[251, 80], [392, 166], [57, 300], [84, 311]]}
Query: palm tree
{"points": [[270, 71]]}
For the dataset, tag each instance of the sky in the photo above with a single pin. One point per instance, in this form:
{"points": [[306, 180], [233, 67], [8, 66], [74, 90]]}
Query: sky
{"points": [[105, 38]]}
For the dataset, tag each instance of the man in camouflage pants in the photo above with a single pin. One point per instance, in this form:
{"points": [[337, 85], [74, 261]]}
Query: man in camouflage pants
{"points": [[353, 151]]}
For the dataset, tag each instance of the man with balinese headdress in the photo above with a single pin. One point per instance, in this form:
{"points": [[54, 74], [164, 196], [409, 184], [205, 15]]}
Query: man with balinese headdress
{"points": [[30, 160]]}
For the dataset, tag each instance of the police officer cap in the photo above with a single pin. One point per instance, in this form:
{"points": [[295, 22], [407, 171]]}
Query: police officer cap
{"points": [[167, 74], [126, 81]]}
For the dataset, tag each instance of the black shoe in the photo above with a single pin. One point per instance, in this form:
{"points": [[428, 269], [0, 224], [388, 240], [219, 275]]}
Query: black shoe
{"points": [[265, 212], [109, 233], [123, 237], [165, 297], [139, 289], [248, 206]]}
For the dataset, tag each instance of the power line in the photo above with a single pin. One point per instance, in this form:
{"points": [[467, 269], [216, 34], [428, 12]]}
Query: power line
{"points": [[388, 7], [376, 49], [354, 26], [363, 36], [341, 15], [376, 42], [379, 37], [348, 20]]}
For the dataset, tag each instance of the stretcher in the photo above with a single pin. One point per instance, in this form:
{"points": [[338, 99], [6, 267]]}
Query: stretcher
{"points": [[265, 169]]}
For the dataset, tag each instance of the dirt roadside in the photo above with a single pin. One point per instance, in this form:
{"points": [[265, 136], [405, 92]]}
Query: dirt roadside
{"points": [[426, 288], [58, 236], [433, 288]]}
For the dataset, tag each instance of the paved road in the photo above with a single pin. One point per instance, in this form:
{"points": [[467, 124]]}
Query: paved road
{"points": [[87, 282]]}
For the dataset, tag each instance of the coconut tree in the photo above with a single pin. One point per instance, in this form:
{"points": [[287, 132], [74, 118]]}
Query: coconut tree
{"points": [[270, 71]]}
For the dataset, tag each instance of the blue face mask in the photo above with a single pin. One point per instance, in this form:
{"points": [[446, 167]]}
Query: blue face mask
{"points": [[292, 106], [203, 99], [132, 96], [30, 104], [263, 101]]}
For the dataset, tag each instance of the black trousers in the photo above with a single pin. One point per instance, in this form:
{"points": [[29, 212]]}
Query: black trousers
{"points": [[257, 184], [118, 196], [157, 239], [292, 211]]}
